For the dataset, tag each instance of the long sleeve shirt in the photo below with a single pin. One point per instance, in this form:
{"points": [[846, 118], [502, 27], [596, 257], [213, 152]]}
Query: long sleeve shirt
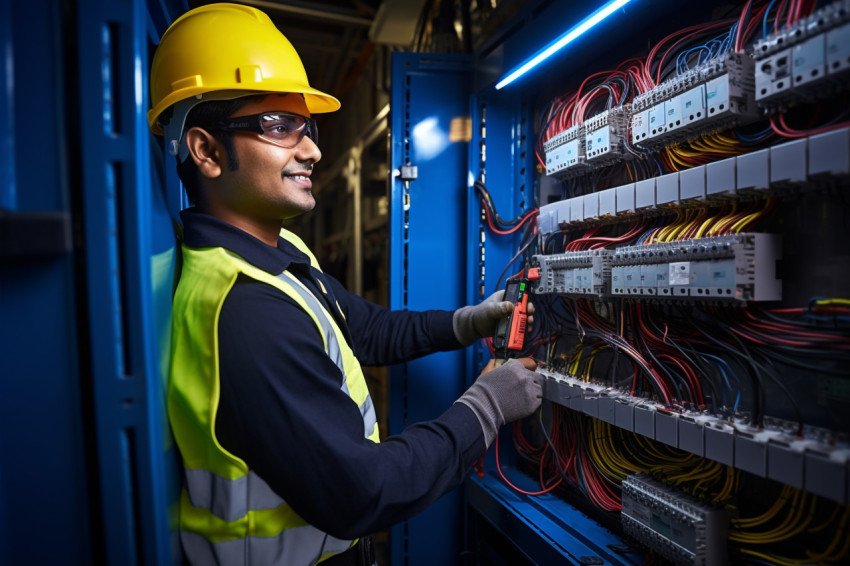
{"points": [[282, 411]]}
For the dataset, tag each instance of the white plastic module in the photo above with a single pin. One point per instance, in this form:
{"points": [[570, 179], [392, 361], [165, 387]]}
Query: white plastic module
{"points": [[582, 273], [740, 267], [717, 94], [805, 61], [773, 75], [604, 135], [565, 152], [838, 50], [693, 105], [640, 127], [676, 525]]}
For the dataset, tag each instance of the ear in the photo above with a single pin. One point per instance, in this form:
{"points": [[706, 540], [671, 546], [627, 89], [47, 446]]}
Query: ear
{"points": [[206, 151]]}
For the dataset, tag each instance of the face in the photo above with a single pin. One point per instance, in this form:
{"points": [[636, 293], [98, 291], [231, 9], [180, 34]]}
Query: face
{"points": [[272, 183]]}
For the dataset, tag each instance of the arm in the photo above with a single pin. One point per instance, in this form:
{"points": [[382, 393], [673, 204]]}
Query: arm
{"points": [[384, 337], [283, 412]]}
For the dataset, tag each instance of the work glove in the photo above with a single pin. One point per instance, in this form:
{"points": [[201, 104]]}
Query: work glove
{"points": [[505, 394], [472, 323]]}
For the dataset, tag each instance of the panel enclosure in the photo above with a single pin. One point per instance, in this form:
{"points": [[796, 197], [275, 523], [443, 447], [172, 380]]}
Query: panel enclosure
{"points": [[427, 258], [790, 271]]}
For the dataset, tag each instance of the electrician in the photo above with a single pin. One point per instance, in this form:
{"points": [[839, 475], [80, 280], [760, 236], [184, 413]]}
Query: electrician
{"points": [[267, 400]]}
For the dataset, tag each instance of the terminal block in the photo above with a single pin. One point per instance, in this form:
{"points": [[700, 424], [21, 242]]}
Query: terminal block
{"points": [[718, 94], [604, 134], [581, 273], [672, 523], [740, 267], [805, 61], [565, 152]]}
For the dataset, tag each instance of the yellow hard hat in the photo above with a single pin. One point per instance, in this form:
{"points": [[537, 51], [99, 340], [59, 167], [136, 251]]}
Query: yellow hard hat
{"points": [[226, 47]]}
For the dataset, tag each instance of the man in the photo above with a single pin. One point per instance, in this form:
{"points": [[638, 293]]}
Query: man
{"points": [[267, 400]]}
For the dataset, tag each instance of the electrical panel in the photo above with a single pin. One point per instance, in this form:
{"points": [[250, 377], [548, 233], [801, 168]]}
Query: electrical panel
{"points": [[681, 201]]}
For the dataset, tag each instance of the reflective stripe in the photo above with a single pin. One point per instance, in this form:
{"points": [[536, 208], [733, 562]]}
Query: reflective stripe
{"points": [[230, 499], [301, 545], [370, 419], [367, 409], [331, 343]]}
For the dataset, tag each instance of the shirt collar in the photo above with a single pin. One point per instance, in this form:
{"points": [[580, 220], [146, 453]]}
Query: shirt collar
{"points": [[204, 231]]}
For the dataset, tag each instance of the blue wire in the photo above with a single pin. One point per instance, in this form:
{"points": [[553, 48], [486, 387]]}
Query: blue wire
{"points": [[712, 48], [753, 138], [764, 20], [721, 363]]}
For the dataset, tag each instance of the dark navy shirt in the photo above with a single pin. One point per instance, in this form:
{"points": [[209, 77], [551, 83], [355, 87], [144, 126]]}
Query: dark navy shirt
{"points": [[283, 412]]}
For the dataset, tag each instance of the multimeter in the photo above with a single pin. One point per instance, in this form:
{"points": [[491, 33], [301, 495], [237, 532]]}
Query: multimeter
{"points": [[510, 334]]}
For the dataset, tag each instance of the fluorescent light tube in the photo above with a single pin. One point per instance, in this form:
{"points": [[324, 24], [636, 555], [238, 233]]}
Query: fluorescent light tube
{"points": [[562, 41]]}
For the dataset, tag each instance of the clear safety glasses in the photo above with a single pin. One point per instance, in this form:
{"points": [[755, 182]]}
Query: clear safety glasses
{"points": [[280, 128]]}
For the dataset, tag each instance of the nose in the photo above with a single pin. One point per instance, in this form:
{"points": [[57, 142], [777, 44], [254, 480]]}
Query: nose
{"points": [[307, 150]]}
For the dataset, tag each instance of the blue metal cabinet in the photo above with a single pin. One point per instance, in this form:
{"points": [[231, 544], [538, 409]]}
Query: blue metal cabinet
{"points": [[87, 472], [429, 115]]}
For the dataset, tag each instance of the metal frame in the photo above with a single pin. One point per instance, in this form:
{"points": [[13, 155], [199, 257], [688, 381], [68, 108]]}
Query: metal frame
{"points": [[427, 258], [129, 268]]}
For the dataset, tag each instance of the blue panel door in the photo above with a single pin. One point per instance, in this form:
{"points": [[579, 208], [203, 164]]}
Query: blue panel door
{"points": [[429, 138], [87, 249]]}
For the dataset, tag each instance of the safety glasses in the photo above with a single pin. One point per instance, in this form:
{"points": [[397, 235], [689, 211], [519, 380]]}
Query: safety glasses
{"points": [[280, 128]]}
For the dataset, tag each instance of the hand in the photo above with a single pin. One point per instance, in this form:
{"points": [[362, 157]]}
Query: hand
{"points": [[472, 323], [504, 394]]}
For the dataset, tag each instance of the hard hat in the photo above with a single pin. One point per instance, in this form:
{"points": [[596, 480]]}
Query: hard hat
{"points": [[224, 51]]}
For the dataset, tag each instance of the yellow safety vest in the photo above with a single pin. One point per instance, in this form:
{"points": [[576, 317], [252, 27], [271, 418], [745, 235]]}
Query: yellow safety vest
{"points": [[228, 514]]}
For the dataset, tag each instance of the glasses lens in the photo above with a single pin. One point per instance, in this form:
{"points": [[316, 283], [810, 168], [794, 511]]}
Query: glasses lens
{"points": [[286, 129]]}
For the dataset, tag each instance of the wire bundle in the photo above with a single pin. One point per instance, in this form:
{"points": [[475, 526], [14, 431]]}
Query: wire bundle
{"points": [[717, 359], [589, 456], [675, 55]]}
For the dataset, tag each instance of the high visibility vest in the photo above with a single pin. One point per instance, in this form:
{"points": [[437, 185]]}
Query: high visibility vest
{"points": [[228, 514]]}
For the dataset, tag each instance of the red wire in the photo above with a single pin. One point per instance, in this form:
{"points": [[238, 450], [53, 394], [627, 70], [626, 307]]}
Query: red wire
{"points": [[744, 12], [770, 325], [507, 481], [779, 12], [783, 130], [531, 214]]}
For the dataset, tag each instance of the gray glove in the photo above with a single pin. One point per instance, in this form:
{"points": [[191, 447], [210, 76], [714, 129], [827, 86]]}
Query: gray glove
{"points": [[503, 395], [474, 322]]}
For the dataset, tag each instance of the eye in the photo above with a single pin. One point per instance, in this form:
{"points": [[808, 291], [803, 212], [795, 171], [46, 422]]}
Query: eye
{"points": [[277, 125]]}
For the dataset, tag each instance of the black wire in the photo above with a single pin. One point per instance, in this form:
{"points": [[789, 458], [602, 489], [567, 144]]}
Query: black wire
{"points": [[748, 366], [494, 215]]}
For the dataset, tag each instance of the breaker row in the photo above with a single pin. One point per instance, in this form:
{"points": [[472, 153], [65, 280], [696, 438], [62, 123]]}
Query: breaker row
{"points": [[816, 160], [815, 462], [739, 267], [806, 62]]}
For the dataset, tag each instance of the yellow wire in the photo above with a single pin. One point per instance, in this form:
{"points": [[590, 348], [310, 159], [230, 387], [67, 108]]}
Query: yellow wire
{"points": [[721, 223], [829, 302], [674, 160], [690, 220], [698, 219], [826, 554], [842, 527], [661, 235], [749, 219], [704, 226], [791, 525], [767, 515]]}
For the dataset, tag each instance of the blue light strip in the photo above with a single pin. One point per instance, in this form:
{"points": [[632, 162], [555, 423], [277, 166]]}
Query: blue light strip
{"points": [[562, 41]]}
